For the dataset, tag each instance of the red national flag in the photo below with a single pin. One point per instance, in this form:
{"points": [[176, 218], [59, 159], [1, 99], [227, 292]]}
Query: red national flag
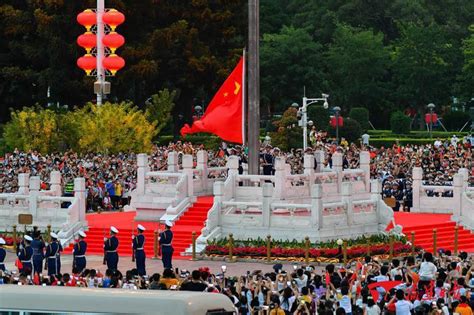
{"points": [[223, 116]]}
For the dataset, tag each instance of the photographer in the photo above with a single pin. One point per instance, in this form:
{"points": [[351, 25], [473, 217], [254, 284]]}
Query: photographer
{"points": [[195, 284]]}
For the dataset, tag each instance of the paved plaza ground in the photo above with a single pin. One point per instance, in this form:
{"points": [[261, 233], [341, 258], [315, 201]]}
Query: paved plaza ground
{"points": [[125, 263]]}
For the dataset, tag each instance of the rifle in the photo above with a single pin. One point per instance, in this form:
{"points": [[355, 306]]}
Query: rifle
{"points": [[104, 261]]}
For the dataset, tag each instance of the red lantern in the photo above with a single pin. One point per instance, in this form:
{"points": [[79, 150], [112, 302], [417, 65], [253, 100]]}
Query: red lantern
{"points": [[87, 63], [429, 119], [113, 63], [87, 18], [333, 121], [113, 18], [88, 40], [113, 40]]}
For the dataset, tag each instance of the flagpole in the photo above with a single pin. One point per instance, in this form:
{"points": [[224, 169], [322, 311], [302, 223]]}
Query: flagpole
{"points": [[253, 89], [244, 99]]}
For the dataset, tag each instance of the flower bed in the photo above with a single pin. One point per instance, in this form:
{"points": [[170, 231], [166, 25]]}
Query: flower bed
{"points": [[315, 254], [9, 240]]}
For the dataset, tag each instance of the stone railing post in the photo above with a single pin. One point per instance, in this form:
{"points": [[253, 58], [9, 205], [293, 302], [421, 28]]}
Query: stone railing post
{"points": [[218, 198], [317, 206], [266, 203], [465, 180], [33, 195], [233, 172], [347, 199], [23, 184], [365, 166], [458, 189], [308, 164], [80, 194], [142, 163], [417, 177], [173, 162], [280, 178], [188, 170], [55, 183], [319, 156], [202, 159], [337, 167]]}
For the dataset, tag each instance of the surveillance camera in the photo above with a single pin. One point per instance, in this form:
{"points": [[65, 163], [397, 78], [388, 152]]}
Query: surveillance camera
{"points": [[325, 95]]}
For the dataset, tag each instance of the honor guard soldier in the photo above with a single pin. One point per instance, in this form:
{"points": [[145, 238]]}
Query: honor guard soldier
{"points": [[110, 247], [79, 253], [166, 238], [3, 254], [138, 251], [25, 255], [38, 253], [52, 256], [268, 161]]}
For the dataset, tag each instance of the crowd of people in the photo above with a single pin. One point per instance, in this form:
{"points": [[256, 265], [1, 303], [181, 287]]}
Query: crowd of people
{"points": [[111, 178], [424, 284]]}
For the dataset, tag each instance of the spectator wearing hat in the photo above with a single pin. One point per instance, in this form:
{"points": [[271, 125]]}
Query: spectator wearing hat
{"points": [[52, 255], [25, 255], [110, 247], [79, 253], [38, 252], [166, 239], [3, 254], [138, 244]]}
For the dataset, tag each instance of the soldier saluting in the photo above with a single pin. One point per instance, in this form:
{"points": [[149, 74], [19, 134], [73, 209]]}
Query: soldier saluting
{"points": [[110, 247], [166, 238], [80, 249], [138, 244]]}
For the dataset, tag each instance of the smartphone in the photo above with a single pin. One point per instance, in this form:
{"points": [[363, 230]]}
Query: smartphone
{"points": [[173, 287]]}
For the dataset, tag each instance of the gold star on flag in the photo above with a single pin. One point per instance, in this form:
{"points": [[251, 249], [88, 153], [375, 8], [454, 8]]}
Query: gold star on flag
{"points": [[225, 94]]}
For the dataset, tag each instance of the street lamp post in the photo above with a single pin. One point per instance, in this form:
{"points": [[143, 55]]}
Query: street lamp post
{"points": [[304, 112], [431, 107], [337, 109]]}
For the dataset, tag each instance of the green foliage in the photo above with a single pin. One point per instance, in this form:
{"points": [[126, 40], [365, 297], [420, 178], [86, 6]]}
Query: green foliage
{"points": [[455, 120], [159, 107], [108, 128], [388, 142], [361, 115], [361, 240], [422, 62], [32, 129], [290, 59], [468, 54], [320, 117], [288, 134], [400, 123], [357, 63], [350, 130]]}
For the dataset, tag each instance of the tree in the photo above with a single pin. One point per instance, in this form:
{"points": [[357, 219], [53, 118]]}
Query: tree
{"points": [[357, 63], [32, 129], [468, 67], [422, 65], [288, 134], [400, 123], [159, 107], [290, 60], [115, 128], [361, 115]]}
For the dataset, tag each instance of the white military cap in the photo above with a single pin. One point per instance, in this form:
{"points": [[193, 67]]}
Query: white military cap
{"points": [[53, 235], [114, 229], [2, 241], [82, 234], [168, 223], [28, 238], [141, 227]]}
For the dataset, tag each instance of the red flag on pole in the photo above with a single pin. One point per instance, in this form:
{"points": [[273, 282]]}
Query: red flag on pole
{"points": [[224, 115]]}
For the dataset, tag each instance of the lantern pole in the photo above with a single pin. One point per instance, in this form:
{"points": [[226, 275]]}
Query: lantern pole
{"points": [[100, 51]]}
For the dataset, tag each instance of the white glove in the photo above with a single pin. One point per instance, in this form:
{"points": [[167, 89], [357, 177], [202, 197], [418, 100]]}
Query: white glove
{"points": [[133, 236], [105, 238]]}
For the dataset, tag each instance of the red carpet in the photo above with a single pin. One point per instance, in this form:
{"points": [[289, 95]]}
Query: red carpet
{"points": [[99, 224], [424, 223]]}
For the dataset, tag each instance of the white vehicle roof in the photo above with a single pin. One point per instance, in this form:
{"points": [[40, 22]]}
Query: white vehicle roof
{"points": [[110, 301]]}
